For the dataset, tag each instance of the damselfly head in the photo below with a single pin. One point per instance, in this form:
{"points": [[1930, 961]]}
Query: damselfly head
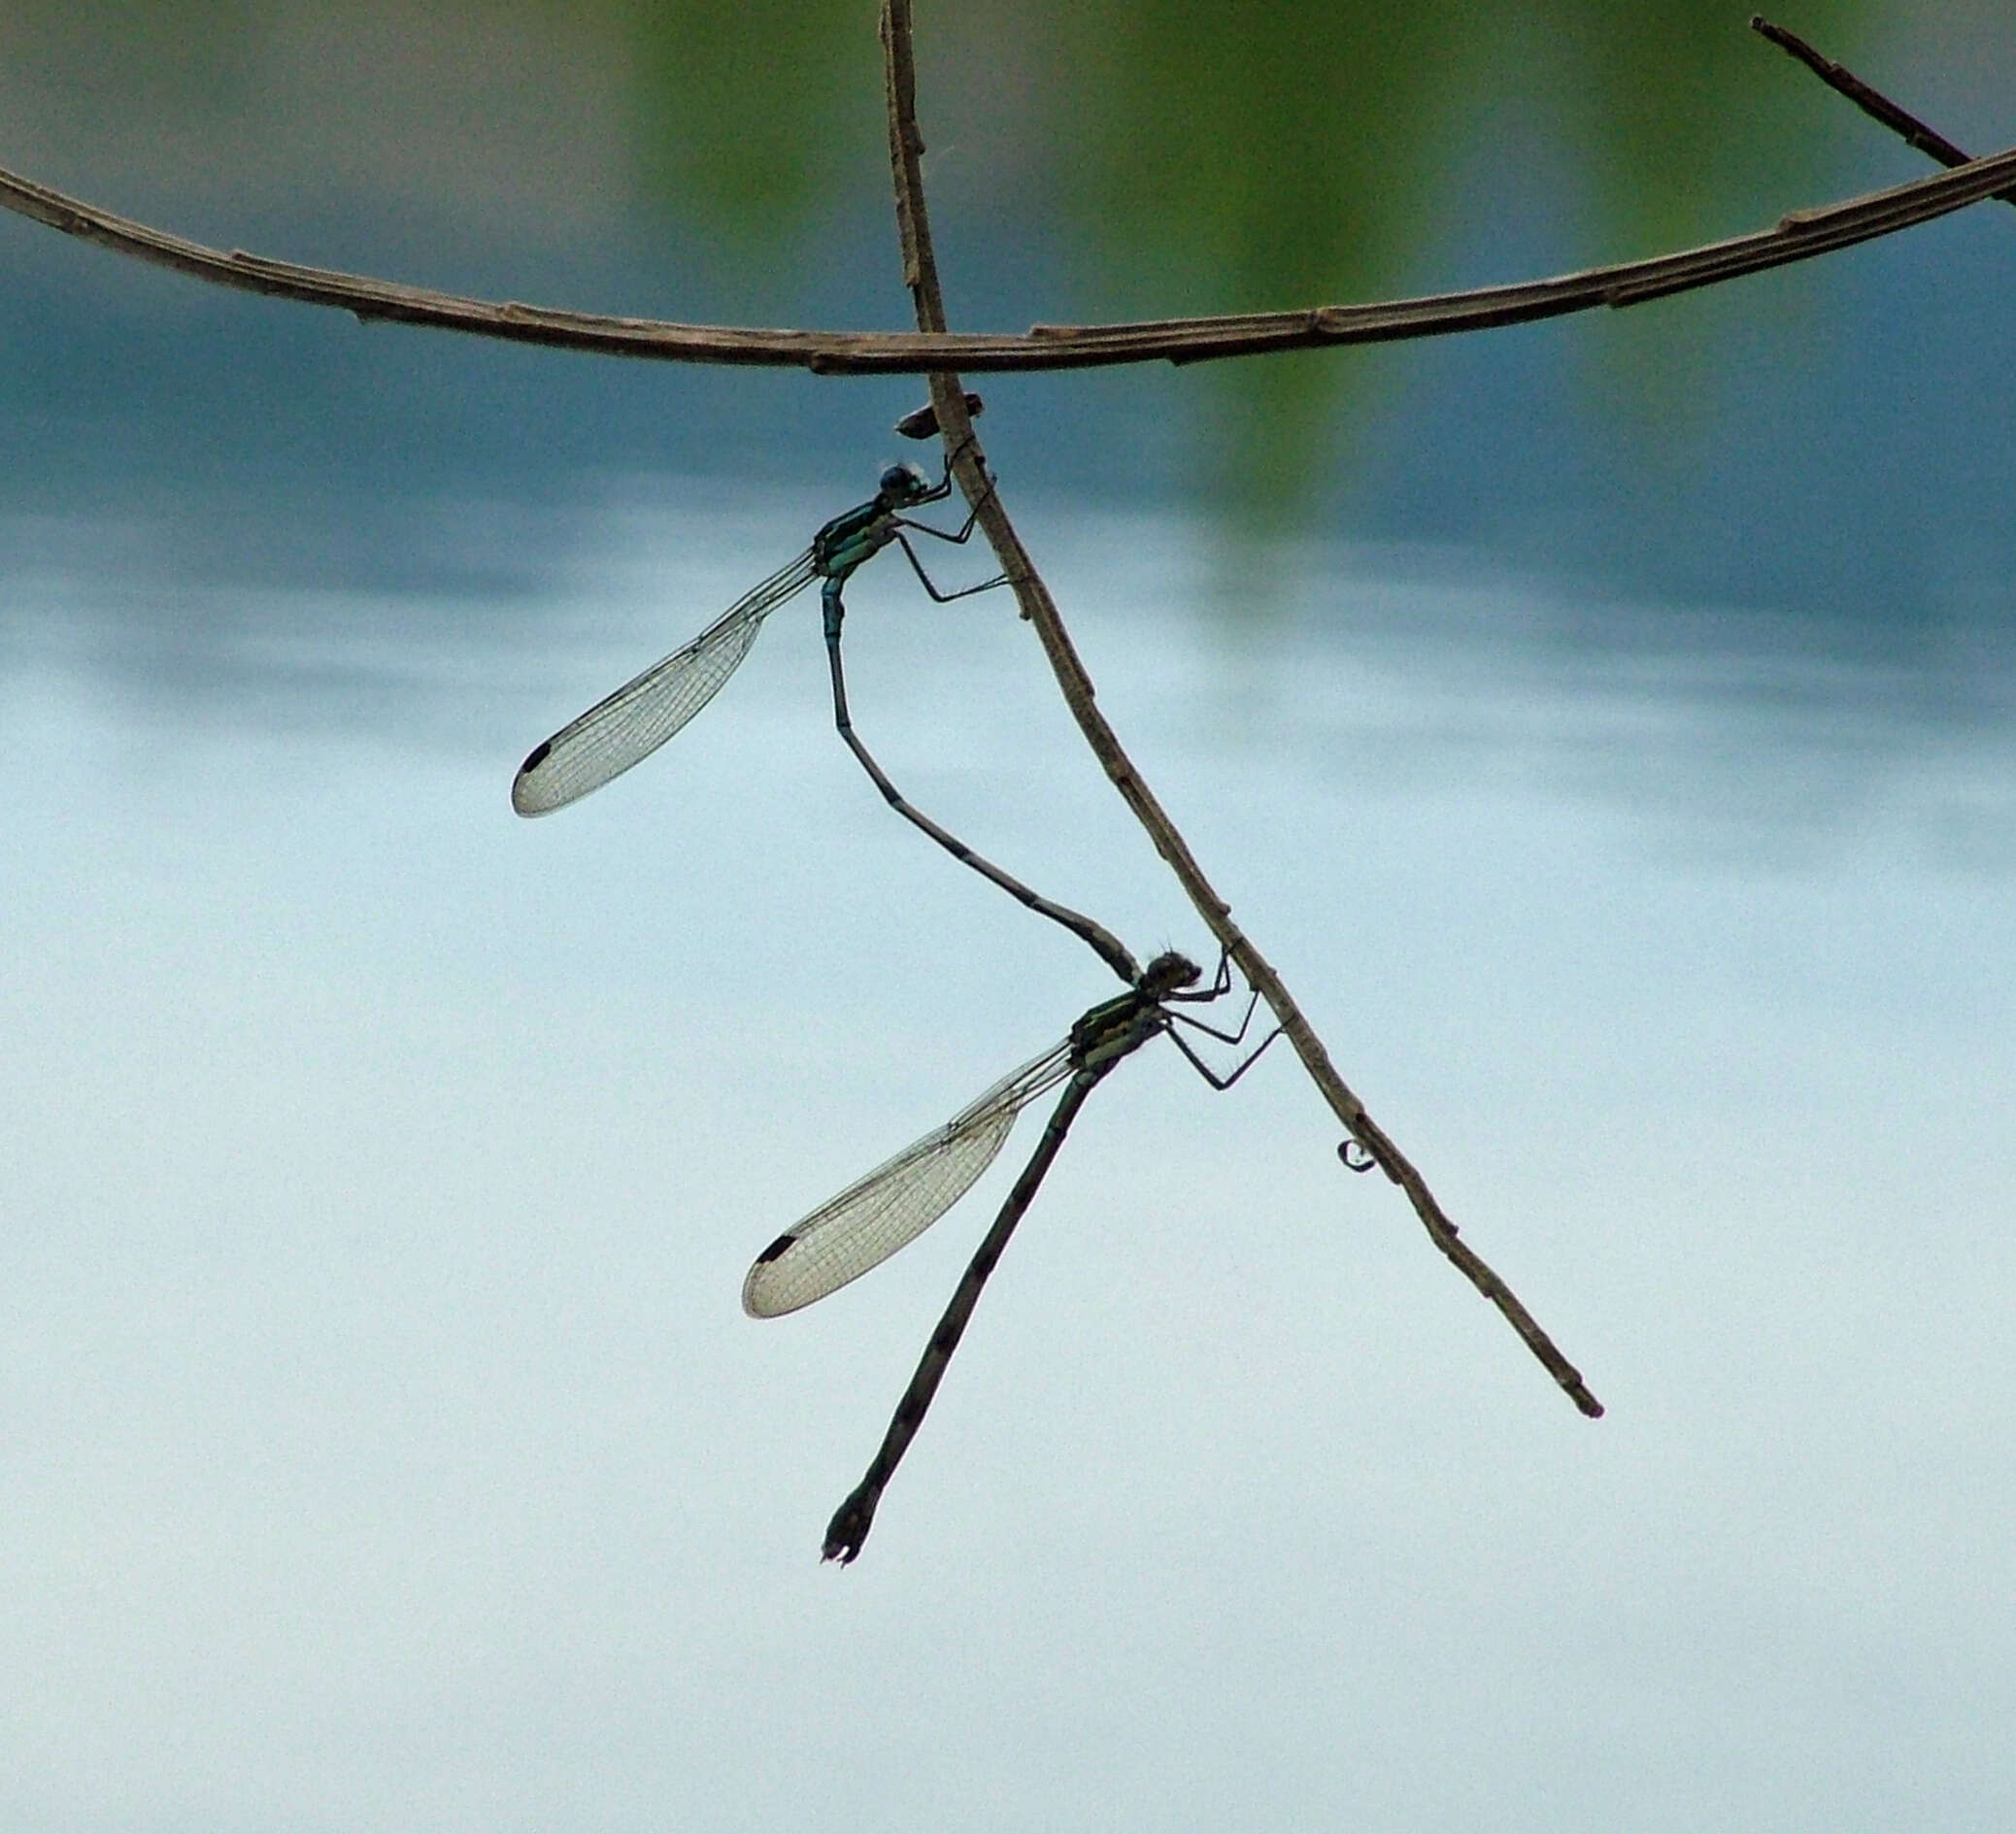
{"points": [[903, 484], [1167, 972]]}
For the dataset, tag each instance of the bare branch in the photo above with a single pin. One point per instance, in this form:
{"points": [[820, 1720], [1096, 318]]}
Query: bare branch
{"points": [[920, 271], [1872, 102], [1799, 235]]}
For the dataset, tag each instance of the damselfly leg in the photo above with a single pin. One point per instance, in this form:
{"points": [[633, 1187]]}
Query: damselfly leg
{"points": [[899, 523], [928, 584], [1221, 986], [1218, 1081]]}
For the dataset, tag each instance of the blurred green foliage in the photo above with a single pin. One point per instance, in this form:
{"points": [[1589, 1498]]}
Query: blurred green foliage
{"points": [[750, 114], [1243, 156]]}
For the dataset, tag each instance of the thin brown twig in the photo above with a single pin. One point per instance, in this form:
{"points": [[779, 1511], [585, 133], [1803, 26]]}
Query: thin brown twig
{"points": [[1797, 236], [920, 273], [1872, 102]]}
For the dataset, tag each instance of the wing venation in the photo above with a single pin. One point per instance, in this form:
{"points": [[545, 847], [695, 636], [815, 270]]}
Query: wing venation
{"points": [[628, 725], [895, 1203]]}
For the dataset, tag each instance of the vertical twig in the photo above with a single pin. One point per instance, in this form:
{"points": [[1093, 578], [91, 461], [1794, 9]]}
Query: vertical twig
{"points": [[947, 397]]}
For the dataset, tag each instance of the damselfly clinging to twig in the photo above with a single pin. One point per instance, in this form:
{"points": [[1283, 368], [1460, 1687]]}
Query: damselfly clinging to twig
{"points": [[896, 1202], [628, 725]]}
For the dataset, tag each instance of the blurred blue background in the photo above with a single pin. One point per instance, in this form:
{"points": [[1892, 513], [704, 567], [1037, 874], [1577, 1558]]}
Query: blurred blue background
{"points": [[1833, 440], [1604, 724]]}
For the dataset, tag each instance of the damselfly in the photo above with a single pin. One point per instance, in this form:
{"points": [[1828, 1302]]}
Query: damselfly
{"points": [[896, 1202], [628, 725]]}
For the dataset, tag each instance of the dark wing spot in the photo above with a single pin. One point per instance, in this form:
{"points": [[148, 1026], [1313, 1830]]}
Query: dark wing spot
{"points": [[537, 756], [775, 1250]]}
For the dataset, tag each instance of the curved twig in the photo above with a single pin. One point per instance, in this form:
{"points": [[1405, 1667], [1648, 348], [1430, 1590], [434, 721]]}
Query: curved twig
{"points": [[1797, 237], [920, 274]]}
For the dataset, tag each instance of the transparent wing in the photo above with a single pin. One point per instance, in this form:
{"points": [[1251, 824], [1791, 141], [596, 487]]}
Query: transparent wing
{"points": [[895, 1203], [636, 720]]}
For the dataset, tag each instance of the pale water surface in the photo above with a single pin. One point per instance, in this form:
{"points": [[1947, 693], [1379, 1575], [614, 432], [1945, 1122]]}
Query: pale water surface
{"points": [[383, 1445]]}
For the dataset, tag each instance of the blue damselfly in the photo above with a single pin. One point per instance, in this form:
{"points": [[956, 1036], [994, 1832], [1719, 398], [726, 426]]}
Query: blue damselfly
{"points": [[627, 726]]}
